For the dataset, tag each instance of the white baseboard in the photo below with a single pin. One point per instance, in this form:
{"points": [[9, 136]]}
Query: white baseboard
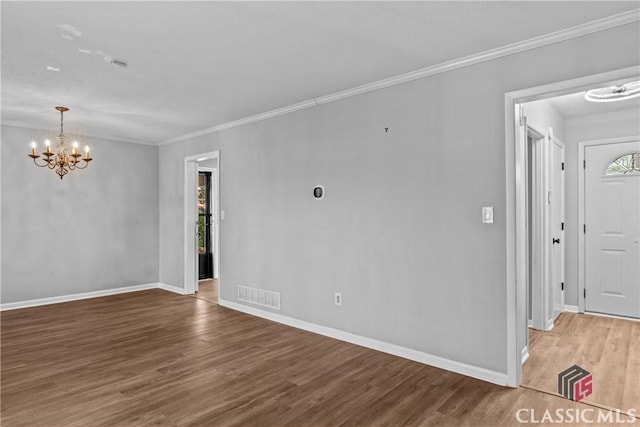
{"points": [[550, 325], [612, 316], [525, 354], [571, 308], [396, 350], [172, 288], [74, 297]]}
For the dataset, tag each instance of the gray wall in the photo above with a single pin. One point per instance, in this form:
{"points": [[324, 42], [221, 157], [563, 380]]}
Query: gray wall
{"points": [[96, 229], [399, 231], [577, 129], [541, 115]]}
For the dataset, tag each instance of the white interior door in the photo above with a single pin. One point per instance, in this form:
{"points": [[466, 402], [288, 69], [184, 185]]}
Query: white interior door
{"points": [[612, 236], [556, 225]]}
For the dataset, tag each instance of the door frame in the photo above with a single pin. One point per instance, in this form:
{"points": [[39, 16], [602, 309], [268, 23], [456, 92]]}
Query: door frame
{"points": [[515, 207], [582, 263], [190, 277], [535, 249], [553, 140]]}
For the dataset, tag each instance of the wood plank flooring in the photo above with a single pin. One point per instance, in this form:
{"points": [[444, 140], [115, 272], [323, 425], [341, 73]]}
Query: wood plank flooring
{"points": [[157, 358], [607, 347], [207, 290]]}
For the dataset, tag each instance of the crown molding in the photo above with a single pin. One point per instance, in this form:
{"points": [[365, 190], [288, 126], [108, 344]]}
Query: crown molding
{"points": [[533, 43], [19, 124], [235, 123]]}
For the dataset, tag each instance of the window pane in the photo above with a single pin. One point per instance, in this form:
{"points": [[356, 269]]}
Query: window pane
{"points": [[624, 165], [202, 197], [202, 233]]}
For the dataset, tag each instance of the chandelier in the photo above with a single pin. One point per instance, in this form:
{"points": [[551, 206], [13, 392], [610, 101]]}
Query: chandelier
{"points": [[61, 161]]}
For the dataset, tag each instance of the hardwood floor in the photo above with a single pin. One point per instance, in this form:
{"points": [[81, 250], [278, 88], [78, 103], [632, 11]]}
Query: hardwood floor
{"points": [[157, 358], [208, 290], [609, 348]]}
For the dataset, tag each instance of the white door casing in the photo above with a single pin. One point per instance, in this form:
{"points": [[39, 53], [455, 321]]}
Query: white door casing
{"points": [[521, 275], [611, 233], [539, 233], [191, 227], [215, 188], [556, 225]]}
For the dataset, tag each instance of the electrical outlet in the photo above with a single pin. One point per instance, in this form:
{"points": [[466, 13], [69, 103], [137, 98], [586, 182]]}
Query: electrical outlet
{"points": [[338, 298]]}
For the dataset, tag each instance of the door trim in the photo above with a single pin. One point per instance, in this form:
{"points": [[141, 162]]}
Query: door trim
{"points": [[536, 250], [190, 276], [563, 217], [515, 214], [582, 145]]}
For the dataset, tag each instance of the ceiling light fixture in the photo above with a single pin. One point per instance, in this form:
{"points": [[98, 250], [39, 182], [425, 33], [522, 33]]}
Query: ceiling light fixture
{"points": [[61, 161], [614, 93]]}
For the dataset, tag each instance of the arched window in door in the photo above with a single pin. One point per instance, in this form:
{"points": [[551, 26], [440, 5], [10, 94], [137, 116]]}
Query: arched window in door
{"points": [[624, 165]]}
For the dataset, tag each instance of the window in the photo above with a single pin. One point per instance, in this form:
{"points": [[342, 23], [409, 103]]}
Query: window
{"points": [[624, 165]]}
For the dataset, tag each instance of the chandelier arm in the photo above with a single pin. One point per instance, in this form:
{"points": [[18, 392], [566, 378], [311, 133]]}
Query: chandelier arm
{"points": [[82, 167], [46, 164]]}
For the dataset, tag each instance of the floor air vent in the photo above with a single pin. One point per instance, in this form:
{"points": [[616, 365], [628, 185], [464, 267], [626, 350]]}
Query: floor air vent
{"points": [[257, 296]]}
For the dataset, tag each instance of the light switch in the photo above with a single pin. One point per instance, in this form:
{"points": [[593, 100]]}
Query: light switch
{"points": [[487, 214], [222, 215]]}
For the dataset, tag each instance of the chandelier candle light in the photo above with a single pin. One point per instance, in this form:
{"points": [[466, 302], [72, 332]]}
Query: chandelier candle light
{"points": [[61, 161]]}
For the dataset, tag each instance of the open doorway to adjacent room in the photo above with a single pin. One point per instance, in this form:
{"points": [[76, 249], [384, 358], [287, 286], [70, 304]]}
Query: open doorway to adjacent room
{"points": [[577, 222], [207, 253], [202, 225]]}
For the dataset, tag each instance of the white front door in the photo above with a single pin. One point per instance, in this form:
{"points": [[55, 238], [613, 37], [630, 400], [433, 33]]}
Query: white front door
{"points": [[612, 229], [556, 226]]}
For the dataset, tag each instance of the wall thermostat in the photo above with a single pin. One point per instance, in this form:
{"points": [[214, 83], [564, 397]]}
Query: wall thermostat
{"points": [[318, 192]]}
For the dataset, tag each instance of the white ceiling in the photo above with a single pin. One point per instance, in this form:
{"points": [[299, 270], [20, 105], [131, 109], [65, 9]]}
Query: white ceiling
{"points": [[194, 65], [574, 105]]}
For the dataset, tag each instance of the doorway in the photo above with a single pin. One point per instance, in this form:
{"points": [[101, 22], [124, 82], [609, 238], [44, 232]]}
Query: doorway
{"points": [[610, 207], [600, 345], [207, 285], [206, 226], [202, 225], [517, 244]]}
